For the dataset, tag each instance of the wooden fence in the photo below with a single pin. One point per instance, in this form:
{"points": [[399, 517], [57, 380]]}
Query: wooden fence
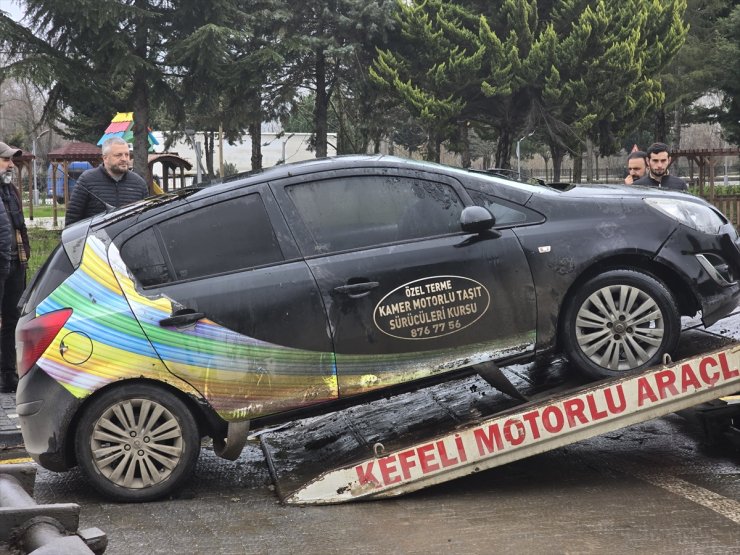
{"points": [[729, 205]]}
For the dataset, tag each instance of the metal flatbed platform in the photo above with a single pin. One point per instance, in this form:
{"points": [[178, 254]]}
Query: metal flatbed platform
{"points": [[408, 442]]}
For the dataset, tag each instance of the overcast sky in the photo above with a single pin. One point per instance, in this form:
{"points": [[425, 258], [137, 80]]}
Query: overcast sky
{"points": [[11, 8]]}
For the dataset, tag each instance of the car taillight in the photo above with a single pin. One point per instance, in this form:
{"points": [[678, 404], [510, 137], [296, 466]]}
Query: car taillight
{"points": [[34, 336]]}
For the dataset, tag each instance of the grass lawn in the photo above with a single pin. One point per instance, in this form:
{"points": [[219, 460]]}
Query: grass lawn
{"points": [[43, 242], [45, 211]]}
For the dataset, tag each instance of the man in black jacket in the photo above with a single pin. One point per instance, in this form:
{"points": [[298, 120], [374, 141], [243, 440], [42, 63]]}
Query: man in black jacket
{"points": [[110, 184], [14, 252], [636, 166], [658, 160]]}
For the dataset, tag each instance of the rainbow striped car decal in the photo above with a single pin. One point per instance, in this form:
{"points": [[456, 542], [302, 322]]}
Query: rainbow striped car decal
{"points": [[240, 376]]}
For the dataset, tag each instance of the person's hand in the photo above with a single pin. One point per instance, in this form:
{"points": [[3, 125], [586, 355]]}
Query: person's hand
{"points": [[628, 180]]}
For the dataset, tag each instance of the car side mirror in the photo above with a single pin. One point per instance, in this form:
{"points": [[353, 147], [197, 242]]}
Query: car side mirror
{"points": [[476, 219]]}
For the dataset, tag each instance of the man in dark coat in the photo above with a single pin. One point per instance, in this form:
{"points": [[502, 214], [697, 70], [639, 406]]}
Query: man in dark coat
{"points": [[14, 252], [658, 160], [636, 166], [111, 184]]}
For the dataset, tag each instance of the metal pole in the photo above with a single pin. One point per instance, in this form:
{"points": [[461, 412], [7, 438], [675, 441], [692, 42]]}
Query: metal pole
{"points": [[221, 150], [33, 166], [198, 172], [285, 142], [518, 156]]}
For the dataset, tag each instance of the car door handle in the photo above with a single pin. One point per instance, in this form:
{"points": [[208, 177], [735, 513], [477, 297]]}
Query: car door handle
{"points": [[182, 319], [357, 290]]}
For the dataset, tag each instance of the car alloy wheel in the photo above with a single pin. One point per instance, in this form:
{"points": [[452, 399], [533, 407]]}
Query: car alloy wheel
{"points": [[136, 443], [620, 321]]}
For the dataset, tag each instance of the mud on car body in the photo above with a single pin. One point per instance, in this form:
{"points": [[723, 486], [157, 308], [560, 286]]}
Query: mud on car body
{"points": [[318, 283]]}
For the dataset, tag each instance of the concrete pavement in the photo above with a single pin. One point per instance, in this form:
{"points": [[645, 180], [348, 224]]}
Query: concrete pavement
{"points": [[46, 223]]}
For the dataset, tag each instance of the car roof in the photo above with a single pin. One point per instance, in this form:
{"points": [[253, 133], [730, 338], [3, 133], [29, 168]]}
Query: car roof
{"points": [[507, 188]]}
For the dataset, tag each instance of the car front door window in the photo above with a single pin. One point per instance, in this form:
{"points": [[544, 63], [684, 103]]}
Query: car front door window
{"points": [[382, 210]]}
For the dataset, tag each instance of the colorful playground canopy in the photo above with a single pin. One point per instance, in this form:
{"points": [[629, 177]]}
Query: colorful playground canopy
{"points": [[122, 125]]}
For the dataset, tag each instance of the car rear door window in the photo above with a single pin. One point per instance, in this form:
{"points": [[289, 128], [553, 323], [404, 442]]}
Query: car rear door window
{"points": [[143, 256], [231, 235], [360, 211]]}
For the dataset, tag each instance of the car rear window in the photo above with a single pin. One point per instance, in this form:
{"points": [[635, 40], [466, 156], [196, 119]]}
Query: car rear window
{"points": [[231, 235]]}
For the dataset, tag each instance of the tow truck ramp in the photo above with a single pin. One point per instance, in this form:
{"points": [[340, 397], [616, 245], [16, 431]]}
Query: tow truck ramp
{"points": [[372, 452]]}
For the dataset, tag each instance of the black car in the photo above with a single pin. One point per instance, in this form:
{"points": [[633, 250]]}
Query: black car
{"points": [[212, 310]]}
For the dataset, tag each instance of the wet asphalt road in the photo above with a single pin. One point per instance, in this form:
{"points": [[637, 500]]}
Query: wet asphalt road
{"points": [[656, 487]]}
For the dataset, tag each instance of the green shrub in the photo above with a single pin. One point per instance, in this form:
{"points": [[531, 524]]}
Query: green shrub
{"points": [[719, 190]]}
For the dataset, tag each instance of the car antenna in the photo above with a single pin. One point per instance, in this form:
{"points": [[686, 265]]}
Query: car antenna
{"points": [[108, 207]]}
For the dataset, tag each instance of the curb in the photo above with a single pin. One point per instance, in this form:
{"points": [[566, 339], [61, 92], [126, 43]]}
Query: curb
{"points": [[46, 223]]}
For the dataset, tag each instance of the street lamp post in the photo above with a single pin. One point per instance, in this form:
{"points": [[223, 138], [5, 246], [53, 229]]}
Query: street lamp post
{"points": [[285, 142], [190, 134], [518, 155], [35, 199]]}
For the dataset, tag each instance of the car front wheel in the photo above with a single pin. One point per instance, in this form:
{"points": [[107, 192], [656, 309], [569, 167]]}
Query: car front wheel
{"points": [[620, 321], [137, 442]]}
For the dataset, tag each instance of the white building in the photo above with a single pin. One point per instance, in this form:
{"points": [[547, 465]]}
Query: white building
{"points": [[276, 148]]}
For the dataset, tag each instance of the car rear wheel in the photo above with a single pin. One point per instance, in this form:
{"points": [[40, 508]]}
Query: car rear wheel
{"points": [[137, 442], [620, 321]]}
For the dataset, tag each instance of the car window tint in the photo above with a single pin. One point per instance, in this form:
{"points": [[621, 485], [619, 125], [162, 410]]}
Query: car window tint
{"points": [[356, 212], [143, 257], [503, 212], [231, 235]]}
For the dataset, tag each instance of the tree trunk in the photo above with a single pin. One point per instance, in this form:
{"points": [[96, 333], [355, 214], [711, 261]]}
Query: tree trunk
{"points": [[503, 149], [596, 170], [255, 133], [557, 161], [432, 153], [677, 118], [343, 140], [140, 102], [589, 161], [465, 140], [321, 106], [660, 126], [141, 132], [577, 168]]}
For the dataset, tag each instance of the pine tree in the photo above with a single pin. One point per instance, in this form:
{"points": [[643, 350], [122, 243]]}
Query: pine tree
{"points": [[332, 36], [578, 70], [435, 68], [229, 64], [97, 57]]}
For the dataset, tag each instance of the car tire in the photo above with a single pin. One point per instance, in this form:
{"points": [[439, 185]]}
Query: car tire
{"points": [[620, 321], [137, 442]]}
